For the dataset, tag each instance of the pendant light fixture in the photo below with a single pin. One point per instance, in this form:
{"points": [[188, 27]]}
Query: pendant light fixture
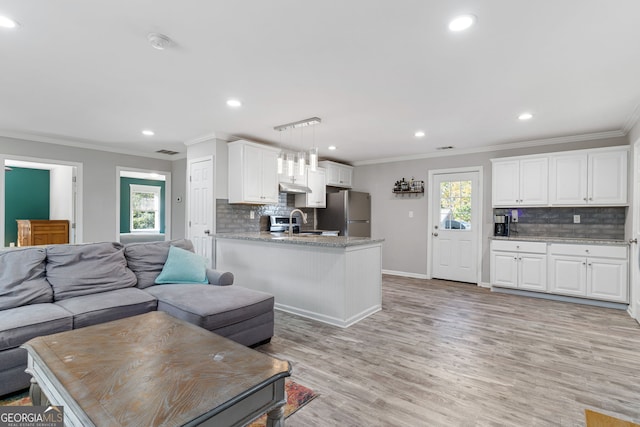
{"points": [[301, 157]]}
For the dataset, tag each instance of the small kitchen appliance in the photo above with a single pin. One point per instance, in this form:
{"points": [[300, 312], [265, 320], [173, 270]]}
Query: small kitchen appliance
{"points": [[501, 225]]}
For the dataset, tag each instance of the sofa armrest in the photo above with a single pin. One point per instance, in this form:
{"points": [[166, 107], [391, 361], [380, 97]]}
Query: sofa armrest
{"points": [[219, 278]]}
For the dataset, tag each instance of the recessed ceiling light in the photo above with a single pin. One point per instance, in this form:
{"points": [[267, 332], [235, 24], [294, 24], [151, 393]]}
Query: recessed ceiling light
{"points": [[148, 132], [332, 147], [525, 116], [462, 22], [6, 22], [419, 134], [234, 103]]}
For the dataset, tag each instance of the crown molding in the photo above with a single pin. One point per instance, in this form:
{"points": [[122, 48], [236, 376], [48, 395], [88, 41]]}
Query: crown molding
{"points": [[86, 144], [497, 147], [632, 120], [198, 140]]}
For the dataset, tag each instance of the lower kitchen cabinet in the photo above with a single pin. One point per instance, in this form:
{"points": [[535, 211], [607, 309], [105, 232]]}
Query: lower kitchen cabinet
{"points": [[589, 271], [519, 264]]}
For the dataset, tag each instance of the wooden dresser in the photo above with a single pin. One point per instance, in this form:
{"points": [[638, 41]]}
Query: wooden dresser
{"points": [[32, 232]]}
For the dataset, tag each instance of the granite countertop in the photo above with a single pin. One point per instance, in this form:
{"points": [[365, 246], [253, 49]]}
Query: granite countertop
{"points": [[574, 240], [283, 238]]}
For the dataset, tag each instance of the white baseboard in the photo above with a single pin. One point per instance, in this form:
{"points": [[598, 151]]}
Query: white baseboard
{"points": [[484, 285], [404, 274]]}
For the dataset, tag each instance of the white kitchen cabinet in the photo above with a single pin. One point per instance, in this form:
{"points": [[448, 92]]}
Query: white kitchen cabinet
{"points": [[253, 173], [589, 271], [338, 174], [519, 264], [520, 182], [588, 177], [318, 196]]}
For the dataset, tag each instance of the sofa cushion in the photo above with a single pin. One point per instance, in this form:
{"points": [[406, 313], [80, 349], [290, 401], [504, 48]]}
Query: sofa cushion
{"points": [[146, 260], [90, 310], [18, 325], [75, 270], [183, 266], [211, 307], [22, 278]]}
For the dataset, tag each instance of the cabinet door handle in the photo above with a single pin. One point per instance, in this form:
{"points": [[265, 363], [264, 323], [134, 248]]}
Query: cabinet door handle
{"points": [[590, 198], [590, 264], [585, 199], [584, 263]]}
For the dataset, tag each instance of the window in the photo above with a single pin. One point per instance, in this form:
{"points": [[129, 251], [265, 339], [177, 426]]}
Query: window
{"points": [[455, 205], [145, 208]]}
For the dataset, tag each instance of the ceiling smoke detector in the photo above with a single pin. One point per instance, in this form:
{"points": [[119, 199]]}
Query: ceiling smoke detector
{"points": [[159, 41]]}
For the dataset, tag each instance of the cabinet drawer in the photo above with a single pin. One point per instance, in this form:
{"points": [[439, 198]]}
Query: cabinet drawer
{"points": [[519, 246], [619, 252]]}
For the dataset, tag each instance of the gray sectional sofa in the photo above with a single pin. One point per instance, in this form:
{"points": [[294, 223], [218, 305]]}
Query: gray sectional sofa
{"points": [[44, 290]]}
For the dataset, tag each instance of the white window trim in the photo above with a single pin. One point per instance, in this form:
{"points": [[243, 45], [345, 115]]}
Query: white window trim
{"points": [[138, 188]]}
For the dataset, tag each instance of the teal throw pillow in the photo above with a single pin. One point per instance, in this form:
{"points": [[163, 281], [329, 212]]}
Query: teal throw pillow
{"points": [[183, 266]]}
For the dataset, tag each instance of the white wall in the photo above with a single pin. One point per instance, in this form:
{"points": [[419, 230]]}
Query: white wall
{"points": [[405, 246], [99, 179], [178, 190]]}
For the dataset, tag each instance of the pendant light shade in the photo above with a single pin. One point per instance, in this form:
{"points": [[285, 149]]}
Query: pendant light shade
{"points": [[313, 159], [302, 160], [290, 164], [280, 163]]}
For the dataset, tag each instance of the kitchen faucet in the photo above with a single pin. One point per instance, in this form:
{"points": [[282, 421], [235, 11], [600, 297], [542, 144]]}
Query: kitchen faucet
{"points": [[304, 220]]}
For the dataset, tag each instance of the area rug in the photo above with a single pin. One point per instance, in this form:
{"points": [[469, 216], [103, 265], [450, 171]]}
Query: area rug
{"points": [[297, 396]]}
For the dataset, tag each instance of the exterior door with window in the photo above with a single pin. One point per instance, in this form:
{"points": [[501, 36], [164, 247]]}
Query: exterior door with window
{"points": [[455, 224]]}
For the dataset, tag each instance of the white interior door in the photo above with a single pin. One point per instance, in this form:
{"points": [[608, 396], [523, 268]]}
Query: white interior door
{"points": [[201, 207], [454, 222]]}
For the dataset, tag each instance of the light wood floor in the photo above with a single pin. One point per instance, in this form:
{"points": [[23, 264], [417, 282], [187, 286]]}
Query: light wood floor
{"points": [[451, 354]]}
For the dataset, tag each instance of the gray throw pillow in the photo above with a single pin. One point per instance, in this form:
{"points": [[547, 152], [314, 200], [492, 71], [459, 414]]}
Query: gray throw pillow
{"points": [[147, 259], [74, 270], [22, 278]]}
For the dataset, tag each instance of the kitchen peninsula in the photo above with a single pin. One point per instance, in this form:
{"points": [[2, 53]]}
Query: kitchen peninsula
{"points": [[333, 279]]}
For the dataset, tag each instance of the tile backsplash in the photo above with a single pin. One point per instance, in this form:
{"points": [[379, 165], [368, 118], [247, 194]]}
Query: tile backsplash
{"points": [[595, 223], [236, 218]]}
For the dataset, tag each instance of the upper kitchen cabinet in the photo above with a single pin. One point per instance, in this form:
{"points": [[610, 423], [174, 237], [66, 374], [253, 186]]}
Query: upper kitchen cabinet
{"points": [[520, 182], [318, 196], [253, 173], [589, 177], [338, 175]]}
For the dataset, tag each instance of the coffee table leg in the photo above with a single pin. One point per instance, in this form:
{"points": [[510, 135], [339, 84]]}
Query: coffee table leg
{"points": [[275, 417], [38, 398]]}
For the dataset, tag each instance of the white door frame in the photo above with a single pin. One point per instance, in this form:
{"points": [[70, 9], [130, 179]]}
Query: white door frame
{"points": [[634, 249], [477, 231], [78, 194], [167, 198]]}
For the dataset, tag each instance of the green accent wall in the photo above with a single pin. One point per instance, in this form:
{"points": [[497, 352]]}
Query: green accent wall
{"points": [[125, 201], [26, 197]]}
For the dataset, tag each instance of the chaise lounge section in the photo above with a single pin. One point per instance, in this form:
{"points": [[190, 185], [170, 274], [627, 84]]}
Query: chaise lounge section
{"points": [[45, 290]]}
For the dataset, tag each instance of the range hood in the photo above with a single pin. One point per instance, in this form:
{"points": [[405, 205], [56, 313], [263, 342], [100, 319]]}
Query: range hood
{"points": [[288, 187]]}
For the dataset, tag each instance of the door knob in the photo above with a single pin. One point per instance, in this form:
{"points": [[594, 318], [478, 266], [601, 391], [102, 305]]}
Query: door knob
{"points": [[633, 240], [207, 232], [435, 234]]}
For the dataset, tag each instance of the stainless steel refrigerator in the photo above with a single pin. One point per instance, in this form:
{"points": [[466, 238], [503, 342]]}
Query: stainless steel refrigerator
{"points": [[348, 212]]}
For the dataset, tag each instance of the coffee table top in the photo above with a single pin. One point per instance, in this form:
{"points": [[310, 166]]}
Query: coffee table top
{"points": [[152, 369]]}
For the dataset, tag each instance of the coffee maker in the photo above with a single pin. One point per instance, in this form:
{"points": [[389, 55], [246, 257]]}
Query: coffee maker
{"points": [[501, 225]]}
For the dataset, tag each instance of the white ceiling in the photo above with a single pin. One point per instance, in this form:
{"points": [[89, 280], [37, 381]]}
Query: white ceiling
{"points": [[375, 71]]}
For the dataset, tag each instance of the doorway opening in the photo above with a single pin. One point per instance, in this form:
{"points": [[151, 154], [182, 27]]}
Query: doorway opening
{"points": [[143, 205], [455, 223], [40, 189]]}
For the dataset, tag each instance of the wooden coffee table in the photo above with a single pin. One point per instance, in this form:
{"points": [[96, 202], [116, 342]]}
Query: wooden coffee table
{"points": [[154, 369]]}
